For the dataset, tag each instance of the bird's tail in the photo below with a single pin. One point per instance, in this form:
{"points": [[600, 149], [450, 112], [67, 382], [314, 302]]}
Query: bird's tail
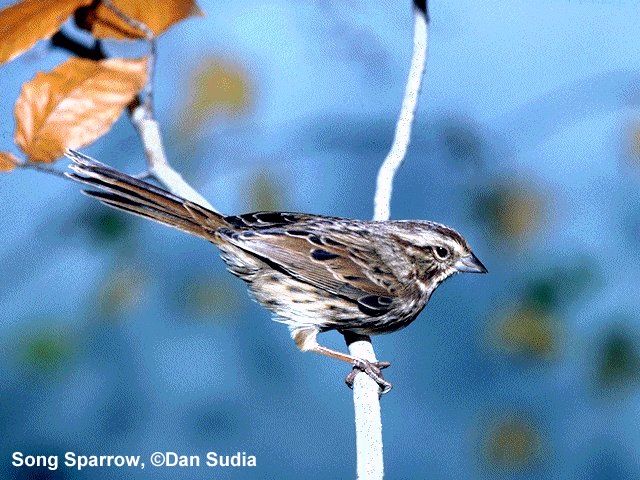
{"points": [[124, 192]]}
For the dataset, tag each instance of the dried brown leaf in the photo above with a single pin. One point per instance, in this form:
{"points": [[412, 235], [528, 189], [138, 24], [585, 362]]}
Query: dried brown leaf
{"points": [[74, 104], [158, 15], [8, 161], [26, 22]]}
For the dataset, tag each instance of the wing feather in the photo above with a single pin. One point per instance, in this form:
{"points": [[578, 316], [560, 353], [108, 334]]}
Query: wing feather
{"points": [[344, 264]]}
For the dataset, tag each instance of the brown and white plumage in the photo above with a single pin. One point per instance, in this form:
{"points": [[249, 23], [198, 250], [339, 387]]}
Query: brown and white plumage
{"points": [[315, 273]]}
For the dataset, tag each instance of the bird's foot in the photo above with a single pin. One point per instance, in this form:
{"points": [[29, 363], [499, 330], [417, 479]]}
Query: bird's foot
{"points": [[373, 369]]}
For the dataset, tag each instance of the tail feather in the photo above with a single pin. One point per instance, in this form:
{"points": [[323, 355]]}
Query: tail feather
{"points": [[123, 203], [124, 192]]}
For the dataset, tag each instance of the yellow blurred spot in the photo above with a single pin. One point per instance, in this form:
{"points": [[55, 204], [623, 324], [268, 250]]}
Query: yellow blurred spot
{"points": [[218, 87], [513, 443], [513, 210], [265, 193], [121, 291], [529, 332], [519, 213], [206, 297]]}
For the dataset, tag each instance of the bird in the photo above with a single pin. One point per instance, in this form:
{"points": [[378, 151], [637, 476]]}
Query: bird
{"points": [[315, 273]]}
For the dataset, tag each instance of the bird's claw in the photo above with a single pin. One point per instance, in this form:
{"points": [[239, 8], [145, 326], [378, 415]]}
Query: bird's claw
{"points": [[373, 370]]}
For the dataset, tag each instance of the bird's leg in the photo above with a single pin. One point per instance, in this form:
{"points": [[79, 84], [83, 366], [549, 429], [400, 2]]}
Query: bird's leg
{"points": [[306, 340]]}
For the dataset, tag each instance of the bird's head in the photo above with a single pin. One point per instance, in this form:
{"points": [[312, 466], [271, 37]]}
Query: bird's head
{"points": [[440, 251]]}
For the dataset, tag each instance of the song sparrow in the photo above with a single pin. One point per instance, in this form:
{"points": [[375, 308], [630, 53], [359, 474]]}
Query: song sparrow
{"points": [[315, 273]]}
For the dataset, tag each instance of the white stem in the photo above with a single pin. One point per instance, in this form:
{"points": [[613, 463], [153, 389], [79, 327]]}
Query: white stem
{"points": [[395, 157], [366, 402], [366, 396], [157, 164]]}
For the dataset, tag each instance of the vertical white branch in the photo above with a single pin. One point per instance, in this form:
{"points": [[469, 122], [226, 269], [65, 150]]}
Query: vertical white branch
{"points": [[366, 402], [395, 157], [366, 393]]}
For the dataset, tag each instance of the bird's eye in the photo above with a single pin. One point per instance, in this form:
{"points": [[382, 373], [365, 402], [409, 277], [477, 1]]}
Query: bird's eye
{"points": [[441, 252]]}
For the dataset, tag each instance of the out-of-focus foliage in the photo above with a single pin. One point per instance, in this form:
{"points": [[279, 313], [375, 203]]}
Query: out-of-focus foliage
{"points": [[108, 226], [265, 193], [122, 290], [528, 332], [45, 349], [206, 297], [531, 328], [513, 442], [158, 15], [559, 285], [513, 211], [462, 142], [74, 104], [618, 359], [218, 87], [26, 22]]}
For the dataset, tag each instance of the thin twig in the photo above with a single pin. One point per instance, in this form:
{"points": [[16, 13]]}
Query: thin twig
{"points": [[41, 168], [147, 93], [61, 40], [366, 393]]}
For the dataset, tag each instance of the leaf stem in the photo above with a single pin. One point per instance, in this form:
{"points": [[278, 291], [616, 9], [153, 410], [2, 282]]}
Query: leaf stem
{"points": [[147, 94], [41, 168]]}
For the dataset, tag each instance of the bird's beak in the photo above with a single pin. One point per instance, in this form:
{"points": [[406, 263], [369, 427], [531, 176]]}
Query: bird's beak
{"points": [[470, 264]]}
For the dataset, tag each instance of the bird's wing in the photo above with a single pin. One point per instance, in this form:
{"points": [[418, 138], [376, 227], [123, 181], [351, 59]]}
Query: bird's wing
{"points": [[266, 220], [352, 270]]}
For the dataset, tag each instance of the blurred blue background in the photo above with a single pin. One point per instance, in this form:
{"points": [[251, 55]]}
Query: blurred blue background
{"points": [[121, 336]]}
